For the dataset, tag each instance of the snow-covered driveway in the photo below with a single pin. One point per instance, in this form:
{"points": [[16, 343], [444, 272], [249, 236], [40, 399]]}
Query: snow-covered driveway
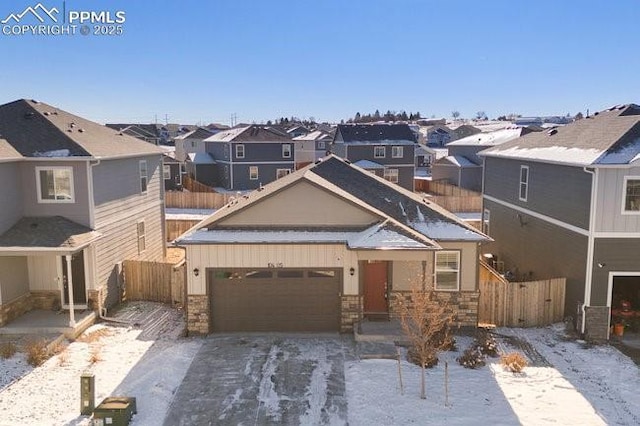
{"points": [[265, 380]]}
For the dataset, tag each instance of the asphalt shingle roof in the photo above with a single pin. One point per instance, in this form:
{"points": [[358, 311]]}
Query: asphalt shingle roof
{"points": [[47, 232], [374, 132]]}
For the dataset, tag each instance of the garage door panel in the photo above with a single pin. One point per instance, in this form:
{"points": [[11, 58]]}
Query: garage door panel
{"points": [[290, 303]]}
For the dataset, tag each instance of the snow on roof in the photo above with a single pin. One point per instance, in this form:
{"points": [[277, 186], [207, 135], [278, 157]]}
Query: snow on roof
{"points": [[315, 135], [444, 231], [625, 154], [492, 138], [460, 161], [581, 156], [226, 135], [367, 164], [53, 154], [187, 214], [201, 158]]}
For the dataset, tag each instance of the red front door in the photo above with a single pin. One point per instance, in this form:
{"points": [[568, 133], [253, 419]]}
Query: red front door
{"points": [[375, 287]]}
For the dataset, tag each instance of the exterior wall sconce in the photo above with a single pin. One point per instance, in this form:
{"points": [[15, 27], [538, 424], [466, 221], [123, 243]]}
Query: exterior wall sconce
{"points": [[601, 265], [352, 271], [196, 272]]}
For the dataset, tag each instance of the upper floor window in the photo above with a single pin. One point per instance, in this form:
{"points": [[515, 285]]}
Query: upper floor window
{"points": [[253, 173], [447, 270], [486, 221], [282, 172], [143, 176], [378, 152], [166, 172], [239, 151], [193, 144], [321, 145], [391, 175], [142, 243], [524, 183], [286, 150], [396, 152], [55, 184], [631, 195]]}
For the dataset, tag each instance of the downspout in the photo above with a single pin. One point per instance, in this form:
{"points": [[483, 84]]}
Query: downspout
{"points": [[590, 245]]}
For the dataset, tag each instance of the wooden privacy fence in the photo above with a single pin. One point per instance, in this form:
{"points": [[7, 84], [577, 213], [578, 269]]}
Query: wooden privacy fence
{"points": [[521, 304], [443, 188], [458, 204], [175, 228], [195, 200], [195, 186], [155, 281], [451, 197]]}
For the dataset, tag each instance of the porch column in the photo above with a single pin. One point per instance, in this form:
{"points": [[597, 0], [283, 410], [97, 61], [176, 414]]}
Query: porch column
{"points": [[72, 318]]}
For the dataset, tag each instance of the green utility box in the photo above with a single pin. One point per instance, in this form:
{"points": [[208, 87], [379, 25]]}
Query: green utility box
{"points": [[87, 394], [115, 411]]}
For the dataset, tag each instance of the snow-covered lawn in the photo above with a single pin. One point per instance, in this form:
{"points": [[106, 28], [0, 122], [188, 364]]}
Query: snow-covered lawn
{"points": [[580, 384]]}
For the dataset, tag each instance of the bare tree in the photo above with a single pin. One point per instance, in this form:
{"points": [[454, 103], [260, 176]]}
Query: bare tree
{"points": [[455, 114], [425, 321], [481, 115]]}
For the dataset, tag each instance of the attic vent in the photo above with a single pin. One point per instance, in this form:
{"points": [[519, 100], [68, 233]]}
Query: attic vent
{"points": [[34, 101], [46, 113], [552, 132], [81, 130], [72, 125], [28, 115]]}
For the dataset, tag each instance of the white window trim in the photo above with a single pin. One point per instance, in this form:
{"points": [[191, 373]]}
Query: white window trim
{"points": [[321, 145], [286, 151], [257, 173], [243, 151], [399, 150], [396, 175], [166, 168], [623, 210], [142, 236], [145, 176], [526, 184], [39, 187], [486, 221], [435, 270], [375, 151]]}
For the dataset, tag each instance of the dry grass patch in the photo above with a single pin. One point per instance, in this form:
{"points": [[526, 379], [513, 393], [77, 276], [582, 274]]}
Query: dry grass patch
{"points": [[95, 336], [95, 354], [37, 352], [514, 362], [8, 349], [63, 358]]}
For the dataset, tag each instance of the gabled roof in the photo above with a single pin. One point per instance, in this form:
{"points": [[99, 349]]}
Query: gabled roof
{"points": [[610, 137], [457, 160], [8, 152], [368, 165], [147, 129], [373, 133], [201, 158], [252, 133], [35, 129], [401, 211], [200, 134], [44, 233], [493, 138], [316, 135]]}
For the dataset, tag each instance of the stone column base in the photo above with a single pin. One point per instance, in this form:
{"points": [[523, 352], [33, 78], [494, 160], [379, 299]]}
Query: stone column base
{"points": [[198, 312], [596, 323], [351, 312], [463, 305]]}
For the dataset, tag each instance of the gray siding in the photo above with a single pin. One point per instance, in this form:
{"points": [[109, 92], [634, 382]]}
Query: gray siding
{"points": [[119, 206], [11, 195], [365, 152], [537, 249], [14, 278], [339, 149], [471, 178], [262, 151], [406, 176], [616, 255], [219, 150], [78, 211], [266, 174], [447, 172], [610, 196], [471, 152], [561, 192]]}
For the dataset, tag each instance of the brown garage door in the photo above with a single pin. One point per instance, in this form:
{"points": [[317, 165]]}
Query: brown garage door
{"points": [[275, 299]]}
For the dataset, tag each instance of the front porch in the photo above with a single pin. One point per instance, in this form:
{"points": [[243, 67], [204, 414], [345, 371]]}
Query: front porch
{"points": [[47, 323]]}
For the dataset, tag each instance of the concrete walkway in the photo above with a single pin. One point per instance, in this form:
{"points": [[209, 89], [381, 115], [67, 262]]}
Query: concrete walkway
{"points": [[265, 380]]}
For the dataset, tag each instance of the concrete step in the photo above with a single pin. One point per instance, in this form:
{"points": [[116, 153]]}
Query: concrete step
{"points": [[376, 350]]}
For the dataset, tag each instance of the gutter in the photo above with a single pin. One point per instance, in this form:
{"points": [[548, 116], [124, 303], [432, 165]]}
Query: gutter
{"points": [[590, 245]]}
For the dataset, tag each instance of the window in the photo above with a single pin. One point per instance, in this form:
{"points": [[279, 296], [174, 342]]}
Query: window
{"points": [[447, 270], [166, 172], [286, 150], [253, 173], [321, 273], [486, 221], [631, 195], [143, 176], [396, 152], [378, 152], [321, 145], [183, 168], [282, 172], [239, 151], [55, 184], [258, 273], [524, 182], [193, 144], [391, 175], [142, 244]]}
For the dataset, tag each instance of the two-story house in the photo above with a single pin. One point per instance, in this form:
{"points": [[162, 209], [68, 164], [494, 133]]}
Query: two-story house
{"points": [[248, 157], [565, 202], [385, 149], [311, 147], [78, 199]]}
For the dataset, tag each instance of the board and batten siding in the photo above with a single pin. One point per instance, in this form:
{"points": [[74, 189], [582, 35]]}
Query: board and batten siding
{"points": [[610, 196], [119, 206], [11, 194], [44, 272], [557, 191], [14, 278], [78, 211], [261, 255]]}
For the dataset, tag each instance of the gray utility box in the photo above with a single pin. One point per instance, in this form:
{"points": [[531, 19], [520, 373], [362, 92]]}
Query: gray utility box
{"points": [[115, 411], [87, 394]]}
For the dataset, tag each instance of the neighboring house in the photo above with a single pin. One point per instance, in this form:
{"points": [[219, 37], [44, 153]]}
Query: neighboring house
{"points": [[566, 203], [146, 132], [171, 172], [192, 142], [312, 147], [437, 136], [462, 166], [431, 121], [248, 157], [322, 248], [391, 146], [79, 198], [465, 130], [297, 131]]}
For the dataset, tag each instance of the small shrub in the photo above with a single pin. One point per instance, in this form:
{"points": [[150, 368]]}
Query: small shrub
{"points": [[514, 362], [7, 350], [95, 335], [95, 354], [471, 358], [63, 358], [414, 358], [37, 352], [487, 344]]}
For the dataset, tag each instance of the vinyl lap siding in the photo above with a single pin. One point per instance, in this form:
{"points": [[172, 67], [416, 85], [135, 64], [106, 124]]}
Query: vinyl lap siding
{"points": [[10, 212], [609, 217]]}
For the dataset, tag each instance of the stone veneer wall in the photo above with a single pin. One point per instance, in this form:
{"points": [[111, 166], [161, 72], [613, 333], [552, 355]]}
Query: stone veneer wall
{"points": [[96, 298], [464, 305], [198, 314], [596, 323], [45, 300], [351, 312]]}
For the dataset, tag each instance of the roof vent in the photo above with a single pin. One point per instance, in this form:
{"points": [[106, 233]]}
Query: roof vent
{"points": [[81, 130], [28, 115], [552, 132], [72, 125], [46, 113], [34, 101]]}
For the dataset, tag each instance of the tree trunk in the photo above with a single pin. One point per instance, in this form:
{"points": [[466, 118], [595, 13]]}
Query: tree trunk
{"points": [[423, 392]]}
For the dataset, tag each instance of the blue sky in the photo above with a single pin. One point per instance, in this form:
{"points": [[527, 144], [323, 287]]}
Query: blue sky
{"points": [[205, 60]]}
